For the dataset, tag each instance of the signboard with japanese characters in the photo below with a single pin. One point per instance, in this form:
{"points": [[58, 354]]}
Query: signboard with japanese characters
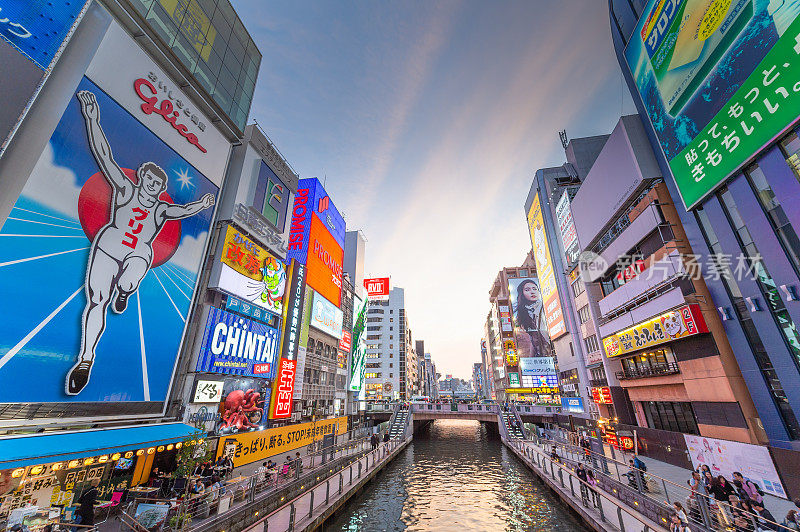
{"points": [[251, 273], [602, 395], [541, 390], [251, 447], [283, 390], [513, 379], [510, 352], [679, 323], [719, 81], [208, 392]]}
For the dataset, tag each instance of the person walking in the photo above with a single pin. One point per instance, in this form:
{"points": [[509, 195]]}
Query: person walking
{"points": [[298, 461], [766, 521], [86, 502]]}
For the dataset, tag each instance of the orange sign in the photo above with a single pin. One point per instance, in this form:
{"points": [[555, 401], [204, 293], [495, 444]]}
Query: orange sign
{"points": [[324, 264]]}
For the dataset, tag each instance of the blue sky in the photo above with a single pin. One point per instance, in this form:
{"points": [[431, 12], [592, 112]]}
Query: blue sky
{"points": [[428, 120]]}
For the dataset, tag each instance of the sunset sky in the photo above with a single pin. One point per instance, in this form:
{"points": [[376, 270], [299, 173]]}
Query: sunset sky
{"points": [[427, 121]]}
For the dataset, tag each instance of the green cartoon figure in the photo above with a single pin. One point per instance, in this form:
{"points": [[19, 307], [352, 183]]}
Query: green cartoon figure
{"points": [[274, 282]]}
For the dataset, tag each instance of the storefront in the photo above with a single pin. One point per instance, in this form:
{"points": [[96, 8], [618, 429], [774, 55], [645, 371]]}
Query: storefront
{"points": [[49, 471]]}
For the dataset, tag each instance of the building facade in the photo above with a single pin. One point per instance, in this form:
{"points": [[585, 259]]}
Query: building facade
{"points": [[728, 204]]}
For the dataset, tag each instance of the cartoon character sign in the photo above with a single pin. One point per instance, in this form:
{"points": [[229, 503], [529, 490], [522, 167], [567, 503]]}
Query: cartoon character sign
{"points": [[111, 216], [274, 273]]}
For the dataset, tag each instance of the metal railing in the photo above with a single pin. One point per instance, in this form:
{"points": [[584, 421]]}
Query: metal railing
{"points": [[668, 368], [654, 495], [600, 505]]}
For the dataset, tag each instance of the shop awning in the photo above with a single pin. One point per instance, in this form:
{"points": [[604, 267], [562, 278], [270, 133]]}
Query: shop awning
{"points": [[19, 451]]}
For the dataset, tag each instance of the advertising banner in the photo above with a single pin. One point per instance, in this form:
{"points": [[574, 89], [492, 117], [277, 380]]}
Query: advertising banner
{"points": [[325, 316], [245, 449], [377, 288], [724, 457], [312, 200], [202, 417], [513, 379], [234, 345], [510, 352], [530, 327], [505, 319], [324, 263], [358, 368], [554, 317], [566, 226], [251, 311], [673, 325], [540, 390], [346, 342], [283, 390], [537, 366], [251, 273], [293, 311], [550, 380], [243, 407], [572, 404], [31, 36], [208, 391], [103, 247], [602, 395], [719, 81]]}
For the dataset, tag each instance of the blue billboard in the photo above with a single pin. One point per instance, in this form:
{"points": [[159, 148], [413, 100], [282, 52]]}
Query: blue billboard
{"points": [[572, 404], [99, 259], [38, 28], [311, 199], [234, 345]]}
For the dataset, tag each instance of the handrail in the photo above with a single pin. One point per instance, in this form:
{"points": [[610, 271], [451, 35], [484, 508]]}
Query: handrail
{"points": [[641, 483]]}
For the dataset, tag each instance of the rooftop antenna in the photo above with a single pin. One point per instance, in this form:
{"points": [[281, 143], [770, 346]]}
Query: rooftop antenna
{"points": [[564, 139]]}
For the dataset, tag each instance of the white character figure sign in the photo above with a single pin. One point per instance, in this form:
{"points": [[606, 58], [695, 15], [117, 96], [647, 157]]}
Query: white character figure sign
{"points": [[121, 252], [673, 323]]}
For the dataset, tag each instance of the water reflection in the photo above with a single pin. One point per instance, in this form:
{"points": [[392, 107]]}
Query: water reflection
{"points": [[456, 476]]}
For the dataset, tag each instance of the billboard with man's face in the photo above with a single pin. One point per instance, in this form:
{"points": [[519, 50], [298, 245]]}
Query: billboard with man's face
{"points": [[100, 255], [719, 80]]}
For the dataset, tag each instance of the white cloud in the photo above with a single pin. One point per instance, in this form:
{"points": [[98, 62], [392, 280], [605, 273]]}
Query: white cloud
{"points": [[52, 185], [190, 252]]}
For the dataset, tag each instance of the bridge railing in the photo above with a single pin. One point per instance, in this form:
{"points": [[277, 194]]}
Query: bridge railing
{"points": [[454, 408], [301, 511]]}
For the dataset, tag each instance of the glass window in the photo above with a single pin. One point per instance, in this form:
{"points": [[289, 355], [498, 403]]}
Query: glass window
{"points": [[578, 287], [676, 417], [583, 313], [791, 150], [777, 217], [753, 338]]}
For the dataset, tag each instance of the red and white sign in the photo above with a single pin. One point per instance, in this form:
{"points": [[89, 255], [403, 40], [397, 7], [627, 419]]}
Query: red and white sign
{"points": [[377, 287], [281, 407], [602, 396], [346, 342]]}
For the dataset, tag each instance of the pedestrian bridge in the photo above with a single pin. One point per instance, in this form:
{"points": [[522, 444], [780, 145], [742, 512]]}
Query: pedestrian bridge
{"points": [[430, 412]]}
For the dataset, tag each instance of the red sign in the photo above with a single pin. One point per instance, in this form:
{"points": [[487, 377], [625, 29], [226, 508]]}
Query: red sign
{"points": [[631, 271], [346, 342], [626, 442], [377, 287], [602, 396], [282, 390]]}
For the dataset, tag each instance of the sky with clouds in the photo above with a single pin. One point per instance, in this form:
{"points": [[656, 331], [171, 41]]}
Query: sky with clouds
{"points": [[427, 120]]}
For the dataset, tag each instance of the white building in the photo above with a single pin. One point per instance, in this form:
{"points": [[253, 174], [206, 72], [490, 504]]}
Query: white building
{"points": [[391, 372]]}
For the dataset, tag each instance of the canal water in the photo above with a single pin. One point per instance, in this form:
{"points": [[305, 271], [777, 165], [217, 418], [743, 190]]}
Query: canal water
{"points": [[456, 475]]}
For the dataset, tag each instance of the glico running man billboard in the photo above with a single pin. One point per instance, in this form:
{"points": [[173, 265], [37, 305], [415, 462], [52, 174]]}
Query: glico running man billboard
{"points": [[544, 268], [100, 254], [719, 80]]}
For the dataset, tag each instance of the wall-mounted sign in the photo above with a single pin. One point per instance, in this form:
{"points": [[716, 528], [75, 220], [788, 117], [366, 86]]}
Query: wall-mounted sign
{"points": [[505, 318], [282, 390], [537, 366], [257, 225], [312, 200], [377, 287], [513, 379], [293, 311], [207, 391], [272, 195], [325, 316], [544, 269], [566, 227], [251, 273], [719, 82], [673, 325], [346, 342], [234, 345], [235, 304], [572, 404], [541, 390], [510, 352], [602, 395]]}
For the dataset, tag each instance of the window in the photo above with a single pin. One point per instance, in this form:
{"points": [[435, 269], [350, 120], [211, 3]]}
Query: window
{"points": [[657, 362], [591, 343], [374, 328], [791, 150], [391, 365], [391, 375], [391, 311], [583, 313], [765, 366], [777, 217], [391, 328], [391, 337], [578, 287], [373, 337], [391, 319], [372, 375], [391, 346], [675, 417]]}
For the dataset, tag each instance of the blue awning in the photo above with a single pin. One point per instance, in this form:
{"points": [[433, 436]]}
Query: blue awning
{"points": [[19, 451]]}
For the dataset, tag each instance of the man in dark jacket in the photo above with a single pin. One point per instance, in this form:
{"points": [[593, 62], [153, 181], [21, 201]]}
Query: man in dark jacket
{"points": [[87, 501]]}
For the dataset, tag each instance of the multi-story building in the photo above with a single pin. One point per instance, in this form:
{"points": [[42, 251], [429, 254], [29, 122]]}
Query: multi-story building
{"points": [[104, 74], [429, 378], [739, 189], [555, 251], [478, 380], [391, 363]]}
